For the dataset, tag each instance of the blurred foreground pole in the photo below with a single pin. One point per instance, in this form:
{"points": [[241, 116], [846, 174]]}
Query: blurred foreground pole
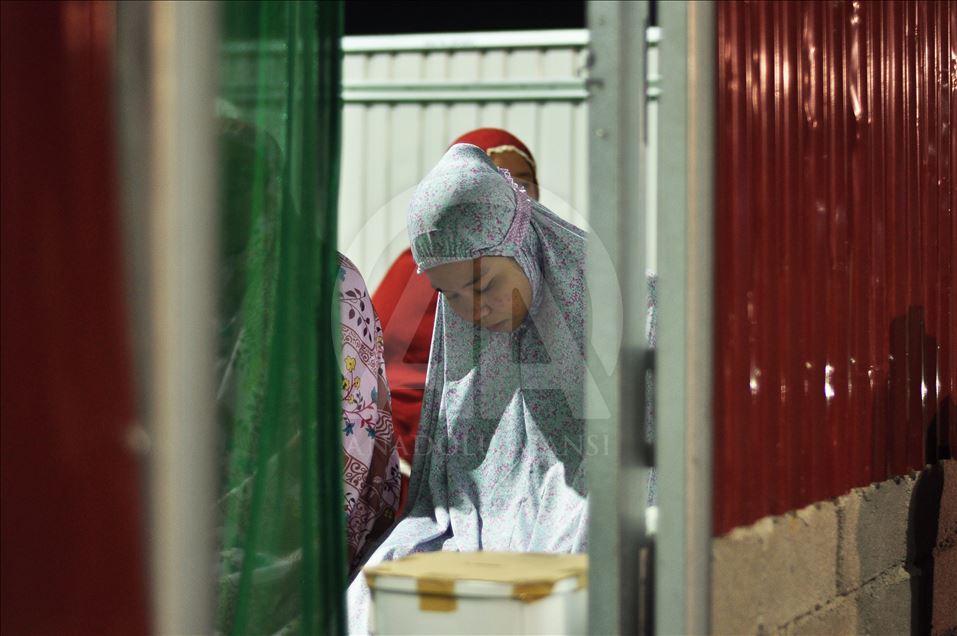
{"points": [[684, 417], [637, 209], [617, 479], [167, 53]]}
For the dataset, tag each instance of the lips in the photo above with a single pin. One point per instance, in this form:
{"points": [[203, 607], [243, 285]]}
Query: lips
{"points": [[501, 325]]}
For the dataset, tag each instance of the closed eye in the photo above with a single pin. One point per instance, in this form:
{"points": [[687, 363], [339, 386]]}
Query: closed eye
{"points": [[487, 287]]}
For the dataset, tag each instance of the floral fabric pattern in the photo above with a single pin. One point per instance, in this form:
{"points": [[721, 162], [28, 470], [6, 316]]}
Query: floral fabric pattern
{"points": [[371, 462]]}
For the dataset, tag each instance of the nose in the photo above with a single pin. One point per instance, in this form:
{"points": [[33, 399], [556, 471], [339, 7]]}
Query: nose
{"points": [[480, 312]]}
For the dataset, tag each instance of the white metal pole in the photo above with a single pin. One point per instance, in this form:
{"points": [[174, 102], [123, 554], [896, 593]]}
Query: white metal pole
{"points": [[618, 479], [652, 93], [167, 58], [182, 218], [685, 321]]}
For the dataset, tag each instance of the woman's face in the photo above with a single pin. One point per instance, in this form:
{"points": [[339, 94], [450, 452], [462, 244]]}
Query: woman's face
{"points": [[492, 292], [519, 168]]}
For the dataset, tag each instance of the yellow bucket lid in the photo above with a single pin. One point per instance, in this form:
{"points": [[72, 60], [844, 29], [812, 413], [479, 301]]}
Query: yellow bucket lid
{"points": [[528, 576]]}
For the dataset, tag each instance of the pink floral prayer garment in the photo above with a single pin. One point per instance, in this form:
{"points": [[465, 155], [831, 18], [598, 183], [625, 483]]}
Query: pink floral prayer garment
{"points": [[371, 462]]}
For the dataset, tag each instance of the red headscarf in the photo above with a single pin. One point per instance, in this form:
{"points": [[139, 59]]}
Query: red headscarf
{"points": [[406, 302], [493, 140]]}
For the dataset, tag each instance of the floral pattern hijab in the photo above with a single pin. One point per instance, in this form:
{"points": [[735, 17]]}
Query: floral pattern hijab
{"points": [[499, 455]]}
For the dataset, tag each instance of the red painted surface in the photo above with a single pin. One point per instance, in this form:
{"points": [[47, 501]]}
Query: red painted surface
{"points": [[836, 298], [72, 556]]}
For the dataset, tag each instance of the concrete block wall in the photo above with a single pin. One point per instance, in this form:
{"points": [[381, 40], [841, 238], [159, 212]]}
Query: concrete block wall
{"points": [[879, 560]]}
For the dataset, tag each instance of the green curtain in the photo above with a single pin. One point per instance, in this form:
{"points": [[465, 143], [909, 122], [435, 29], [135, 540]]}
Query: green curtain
{"points": [[282, 521]]}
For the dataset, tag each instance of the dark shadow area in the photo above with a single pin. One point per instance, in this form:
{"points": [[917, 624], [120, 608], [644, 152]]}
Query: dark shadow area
{"points": [[646, 592], [938, 443], [917, 426], [922, 528], [393, 17], [915, 431]]}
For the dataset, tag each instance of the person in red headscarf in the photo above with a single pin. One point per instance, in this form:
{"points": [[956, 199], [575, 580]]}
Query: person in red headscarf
{"points": [[406, 302]]}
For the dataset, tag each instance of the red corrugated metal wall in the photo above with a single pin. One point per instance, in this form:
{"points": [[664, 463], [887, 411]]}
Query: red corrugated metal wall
{"points": [[836, 315]]}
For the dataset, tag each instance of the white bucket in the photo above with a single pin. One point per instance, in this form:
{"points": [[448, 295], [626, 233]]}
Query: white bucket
{"points": [[479, 593]]}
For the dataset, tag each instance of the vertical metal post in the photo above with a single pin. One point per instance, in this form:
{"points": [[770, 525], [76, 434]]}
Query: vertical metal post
{"points": [[652, 93], [167, 83], [685, 302], [618, 477]]}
